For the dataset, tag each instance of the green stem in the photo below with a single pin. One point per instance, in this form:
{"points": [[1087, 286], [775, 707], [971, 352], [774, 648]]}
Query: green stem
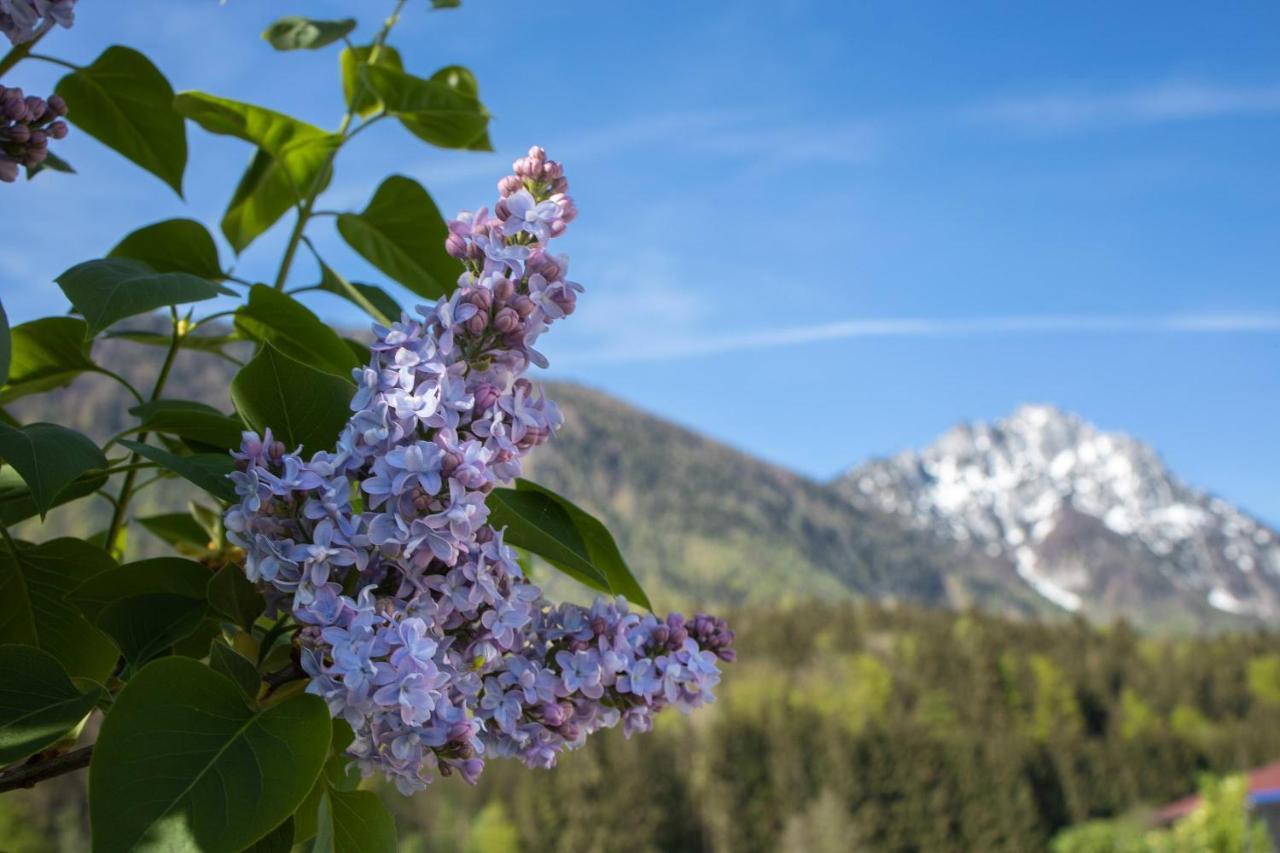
{"points": [[19, 53], [344, 133], [125, 382], [114, 529], [54, 60]]}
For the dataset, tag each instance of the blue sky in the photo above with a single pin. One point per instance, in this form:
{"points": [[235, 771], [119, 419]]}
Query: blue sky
{"points": [[818, 231]]}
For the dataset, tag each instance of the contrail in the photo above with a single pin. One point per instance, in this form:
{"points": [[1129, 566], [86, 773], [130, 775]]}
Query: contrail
{"points": [[701, 345]]}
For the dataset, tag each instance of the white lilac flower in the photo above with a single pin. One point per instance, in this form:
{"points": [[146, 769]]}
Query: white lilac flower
{"points": [[448, 655]]}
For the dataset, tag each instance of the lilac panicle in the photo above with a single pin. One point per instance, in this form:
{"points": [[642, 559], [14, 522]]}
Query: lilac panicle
{"points": [[26, 126], [23, 20], [418, 627]]}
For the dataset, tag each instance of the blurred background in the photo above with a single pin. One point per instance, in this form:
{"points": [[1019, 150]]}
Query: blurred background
{"points": [[937, 344]]}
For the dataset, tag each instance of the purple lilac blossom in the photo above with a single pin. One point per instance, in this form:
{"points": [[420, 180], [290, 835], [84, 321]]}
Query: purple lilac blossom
{"points": [[419, 628], [23, 20], [27, 123]]}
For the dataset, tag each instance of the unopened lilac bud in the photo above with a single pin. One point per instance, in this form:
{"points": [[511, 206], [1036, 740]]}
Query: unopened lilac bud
{"points": [[523, 306], [34, 156], [553, 714], [504, 290], [557, 227], [566, 300], [8, 171], [553, 171], [19, 133], [486, 394], [560, 185], [510, 184], [36, 108], [455, 246], [57, 106], [501, 210], [39, 139], [568, 210], [476, 322], [507, 320], [481, 297], [277, 449], [537, 152], [58, 130]]}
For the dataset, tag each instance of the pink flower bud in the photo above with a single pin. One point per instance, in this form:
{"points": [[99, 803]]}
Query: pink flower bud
{"points": [[19, 133], [506, 320], [455, 246], [476, 323], [58, 130], [39, 139], [481, 297], [523, 306], [57, 106], [486, 394], [36, 108], [501, 210], [553, 171], [503, 290], [510, 184]]}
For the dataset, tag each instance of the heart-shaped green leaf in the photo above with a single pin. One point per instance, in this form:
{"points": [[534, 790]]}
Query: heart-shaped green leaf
{"points": [[207, 470], [564, 535], [47, 353], [277, 318], [297, 33], [36, 607], [182, 763], [17, 503], [38, 703], [174, 245], [191, 420], [355, 88], [234, 596], [225, 660], [49, 458], [124, 102], [300, 404], [291, 157], [110, 289], [402, 233], [444, 111]]}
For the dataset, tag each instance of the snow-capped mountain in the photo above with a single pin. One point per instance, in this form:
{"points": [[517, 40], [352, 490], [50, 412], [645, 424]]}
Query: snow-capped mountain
{"points": [[1090, 520]]}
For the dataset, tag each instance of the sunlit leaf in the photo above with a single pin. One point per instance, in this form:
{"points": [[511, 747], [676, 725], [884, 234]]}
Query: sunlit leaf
{"points": [[301, 405], [375, 301], [444, 111], [124, 102], [47, 353], [355, 89], [292, 328], [297, 33], [174, 245], [110, 289]]}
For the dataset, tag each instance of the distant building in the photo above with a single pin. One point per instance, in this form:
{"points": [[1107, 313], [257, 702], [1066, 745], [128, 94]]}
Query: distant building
{"points": [[1264, 799]]}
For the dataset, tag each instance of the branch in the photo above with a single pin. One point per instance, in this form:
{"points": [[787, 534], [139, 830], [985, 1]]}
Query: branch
{"points": [[32, 773]]}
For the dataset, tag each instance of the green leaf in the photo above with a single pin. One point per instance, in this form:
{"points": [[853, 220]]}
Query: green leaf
{"points": [[444, 110], [207, 470], [277, 318], [6, 346], [300, 404], [445, 4], [49, 458], [355, 88], [199, 342], [234, 596], [182, 764], [157, 576], [178, 529], [291, 157], [18, 504], [564, 535], [190, 420], [51, 163], [36, 607], [124, 102], [110, 289], [38, 703], [375, 301], [353, 822], [47, 353], [295, 33], [226, 661], [402, 233], [174, 245]]}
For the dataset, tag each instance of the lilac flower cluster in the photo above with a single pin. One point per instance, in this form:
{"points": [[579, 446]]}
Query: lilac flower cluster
{"points": [[418, 627], [26, 126], [23, 20]]}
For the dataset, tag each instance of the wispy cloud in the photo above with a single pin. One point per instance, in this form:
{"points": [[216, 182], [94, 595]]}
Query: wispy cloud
{"points": [[703, 345], [1163, 103]]}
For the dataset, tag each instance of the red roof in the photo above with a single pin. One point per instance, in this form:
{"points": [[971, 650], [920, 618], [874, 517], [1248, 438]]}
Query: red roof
{"points": [[1265, 778]]}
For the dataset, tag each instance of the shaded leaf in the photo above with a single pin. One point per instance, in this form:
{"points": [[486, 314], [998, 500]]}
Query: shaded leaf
{"points": [[402, 233], [124, 102], [191, 420], [38, 703], [51, 163], [301, 405], [375, 301], [47, 353], [49, 458], [207, 470], [182, 763], [178, 529], [235, 666], [355, 89], [174, 245], [297, 33], [36, 607], [444, 111], [277, 318], [157, 576], [234, 596], [353, 822], [17, 502], [201, 342], [6, 346], [110, 289]]}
